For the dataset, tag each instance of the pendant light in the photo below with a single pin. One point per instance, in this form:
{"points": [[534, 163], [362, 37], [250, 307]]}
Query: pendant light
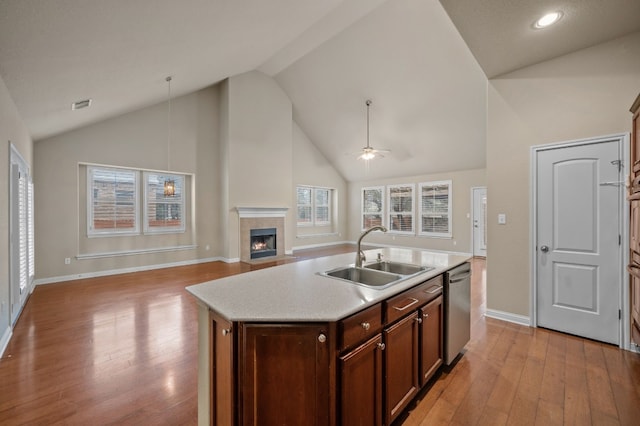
{"points": [[368, 152], [169, 184]]}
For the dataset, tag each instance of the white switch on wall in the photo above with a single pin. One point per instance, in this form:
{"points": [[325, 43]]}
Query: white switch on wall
{"points": [[502, 219]]}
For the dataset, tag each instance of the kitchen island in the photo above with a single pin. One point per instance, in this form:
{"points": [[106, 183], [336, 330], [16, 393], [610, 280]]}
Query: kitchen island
{"points": [[289, 345]]}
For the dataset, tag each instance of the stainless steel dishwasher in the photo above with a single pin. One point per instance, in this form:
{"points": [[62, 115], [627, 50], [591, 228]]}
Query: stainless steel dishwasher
{"points": [[457, 305]]}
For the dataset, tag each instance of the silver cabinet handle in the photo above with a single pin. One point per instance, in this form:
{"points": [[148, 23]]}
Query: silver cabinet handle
{"points": [[381, 346], [544, 249], [432, 290], [322, 338], [366, 326], [425, 315], [418, 320], [413, 302], [459, 277], [226, 331]]}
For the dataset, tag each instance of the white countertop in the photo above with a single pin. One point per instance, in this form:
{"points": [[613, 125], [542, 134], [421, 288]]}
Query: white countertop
{"points": [[294, 292]]}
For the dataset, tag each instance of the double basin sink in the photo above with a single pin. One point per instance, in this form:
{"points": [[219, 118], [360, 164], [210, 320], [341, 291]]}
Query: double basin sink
{"points": [[377, 274]]}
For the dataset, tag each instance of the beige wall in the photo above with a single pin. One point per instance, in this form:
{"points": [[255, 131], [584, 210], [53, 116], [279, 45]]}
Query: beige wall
{"points": [[311, 168], [258, 151], [462, 182], [581, 95], [12, 131], [138, 140]]}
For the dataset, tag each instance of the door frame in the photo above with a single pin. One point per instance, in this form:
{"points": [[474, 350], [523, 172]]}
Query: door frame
{"points": [[473, 208], [623, 229]]}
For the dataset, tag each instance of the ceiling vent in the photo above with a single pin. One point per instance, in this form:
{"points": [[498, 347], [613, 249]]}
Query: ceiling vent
{"points": [[81, 104]]}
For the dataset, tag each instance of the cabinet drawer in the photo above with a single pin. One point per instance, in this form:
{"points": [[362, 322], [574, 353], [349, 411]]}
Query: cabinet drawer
{"points": [[413, 298], [360, 326]]}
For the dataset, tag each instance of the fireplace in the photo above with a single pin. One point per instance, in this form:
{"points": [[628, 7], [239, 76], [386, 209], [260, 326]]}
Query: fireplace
{"points": [[262, 242]]}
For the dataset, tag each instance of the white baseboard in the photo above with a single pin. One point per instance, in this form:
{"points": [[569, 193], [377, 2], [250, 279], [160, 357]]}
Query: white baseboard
{"points": [[52, 280], [229, 260], [508, 316], [4, 342]]}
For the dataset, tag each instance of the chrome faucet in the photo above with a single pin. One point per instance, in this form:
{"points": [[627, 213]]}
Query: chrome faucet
{"points": [[360, 257]]}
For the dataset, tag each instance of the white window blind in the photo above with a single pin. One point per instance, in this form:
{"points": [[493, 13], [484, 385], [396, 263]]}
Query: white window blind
{"points": [[23, 233], [435, 209], [163, 214], [304, 204], [313, 206], [31, 233], [400, 201], [113, 201], [372, 204], [322, 204]]}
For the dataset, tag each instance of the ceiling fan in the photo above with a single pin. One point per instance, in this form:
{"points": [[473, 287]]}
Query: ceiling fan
{"points": [[368, 152]]}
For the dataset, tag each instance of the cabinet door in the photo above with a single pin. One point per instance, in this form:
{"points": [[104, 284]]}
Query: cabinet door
{"points": [[222, 368], [634, 229], [634, 279], [401, 365], [285, 375], [430, 339], [361, 384]]}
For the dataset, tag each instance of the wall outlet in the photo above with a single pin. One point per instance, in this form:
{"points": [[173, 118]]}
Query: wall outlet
{"points": [[455, 242], [67, 261], [502, 219], [207, 247]]}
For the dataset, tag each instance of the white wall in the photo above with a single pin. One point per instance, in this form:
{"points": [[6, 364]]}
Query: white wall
{"points": [[312, 168], [138, 140], [462, 182], [584, 94], [12, 131], [258, 151]]}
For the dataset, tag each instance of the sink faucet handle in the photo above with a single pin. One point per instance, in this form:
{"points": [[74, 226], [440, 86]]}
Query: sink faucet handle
{"points": [[363, 258]]}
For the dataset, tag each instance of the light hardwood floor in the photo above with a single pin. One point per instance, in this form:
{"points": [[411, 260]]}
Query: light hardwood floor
{"points": [[123, 350]]}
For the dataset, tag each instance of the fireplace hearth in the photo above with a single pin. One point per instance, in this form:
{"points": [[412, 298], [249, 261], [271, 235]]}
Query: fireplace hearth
{"points": [[262, 243]]}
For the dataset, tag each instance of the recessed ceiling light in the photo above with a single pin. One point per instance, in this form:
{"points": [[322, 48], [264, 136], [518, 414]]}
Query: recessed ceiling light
{"points": [[81, 104], [547, 20]]}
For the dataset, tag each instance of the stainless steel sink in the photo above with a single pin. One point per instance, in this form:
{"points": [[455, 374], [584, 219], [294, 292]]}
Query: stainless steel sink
{"points": [[367, 277], [397, 267]]}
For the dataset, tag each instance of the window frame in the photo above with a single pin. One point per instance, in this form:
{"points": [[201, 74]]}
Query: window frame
{"points": [[314, 222], [449, 233], [363, 212], [110, 232], [146, 228], [410, 213]]}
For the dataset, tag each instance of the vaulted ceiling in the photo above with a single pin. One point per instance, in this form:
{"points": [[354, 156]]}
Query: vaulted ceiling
{"points": [[423, 63]]}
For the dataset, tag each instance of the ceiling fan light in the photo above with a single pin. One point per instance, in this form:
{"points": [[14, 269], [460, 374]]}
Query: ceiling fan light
{"points": [[547, 20], [367, 155]]}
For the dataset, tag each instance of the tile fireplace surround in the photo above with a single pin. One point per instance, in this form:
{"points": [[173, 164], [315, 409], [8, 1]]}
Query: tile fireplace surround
{"points": [[260, 218]]}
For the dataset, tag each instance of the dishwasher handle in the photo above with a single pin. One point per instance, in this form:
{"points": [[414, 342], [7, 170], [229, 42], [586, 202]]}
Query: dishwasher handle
{"points": [[459, 277]]}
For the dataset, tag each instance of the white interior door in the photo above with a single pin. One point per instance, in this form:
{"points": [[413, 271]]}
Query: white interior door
{"points": [[578, 240], [480, 222]]}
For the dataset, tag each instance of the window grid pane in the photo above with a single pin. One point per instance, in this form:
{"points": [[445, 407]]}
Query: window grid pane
{"points": [[435, 208], [401, 208], [113, 200], [372, 205], [164, 213]]}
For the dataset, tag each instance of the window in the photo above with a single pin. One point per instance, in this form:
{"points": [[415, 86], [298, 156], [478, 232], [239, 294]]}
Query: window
{"points": [[372, 206], [113, 201], [400, 212], [435, 209], [313, 206], [163, 214]]}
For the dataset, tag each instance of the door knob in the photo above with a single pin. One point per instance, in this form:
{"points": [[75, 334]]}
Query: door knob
{"points": [[544, 249]]}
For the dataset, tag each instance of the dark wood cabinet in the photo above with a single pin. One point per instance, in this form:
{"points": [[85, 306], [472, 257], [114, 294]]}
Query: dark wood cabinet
{"points": [[361, 384], [222, 368], [431, 329], [401, 365], [634, 225], [285, 374]]}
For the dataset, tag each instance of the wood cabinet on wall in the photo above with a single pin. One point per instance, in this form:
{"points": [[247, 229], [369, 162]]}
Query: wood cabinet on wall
{"points": [[634, 225]]}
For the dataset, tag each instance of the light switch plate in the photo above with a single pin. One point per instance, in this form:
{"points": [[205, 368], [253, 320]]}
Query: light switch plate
{"points": [[502, 219]]}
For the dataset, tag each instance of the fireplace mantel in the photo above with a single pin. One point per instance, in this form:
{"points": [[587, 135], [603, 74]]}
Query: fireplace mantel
{"points": [[251, 212]]}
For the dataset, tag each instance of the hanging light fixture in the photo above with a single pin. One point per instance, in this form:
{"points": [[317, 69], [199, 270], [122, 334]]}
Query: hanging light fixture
{"points": [[169, 184], [368, 152]]}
